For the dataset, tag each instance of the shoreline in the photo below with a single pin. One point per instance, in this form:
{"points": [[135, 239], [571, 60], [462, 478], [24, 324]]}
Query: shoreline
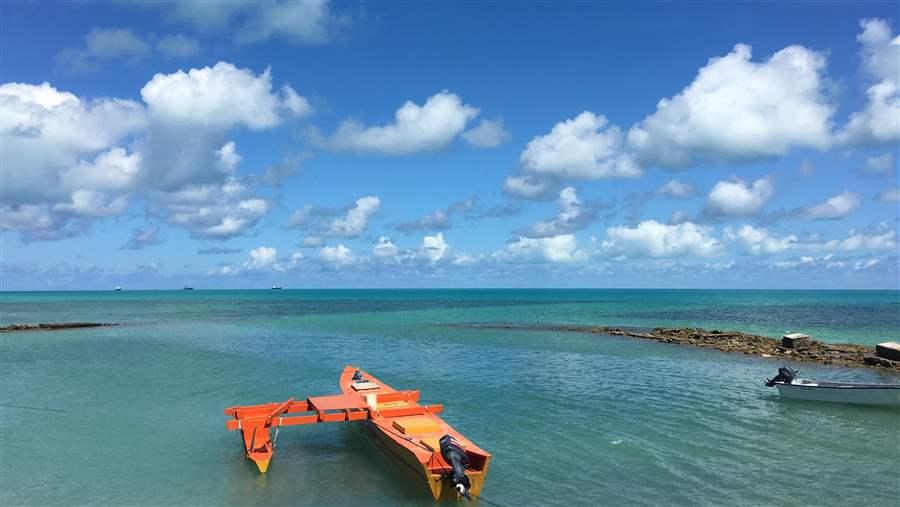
{"points": [[837, 354]]}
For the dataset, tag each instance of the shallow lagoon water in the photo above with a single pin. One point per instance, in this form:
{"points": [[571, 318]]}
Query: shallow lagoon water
{"points": [[570, 418]]}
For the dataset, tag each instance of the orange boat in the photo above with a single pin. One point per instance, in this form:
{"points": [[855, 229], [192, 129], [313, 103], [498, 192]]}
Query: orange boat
{"points": [[449, 464]]}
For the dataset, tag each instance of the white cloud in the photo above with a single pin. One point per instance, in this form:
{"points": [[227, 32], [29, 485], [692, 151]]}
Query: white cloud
{"points": [[556, 249], [354, 222], [879, 165], [261, 258], [861, 241], [217, 97], [434, 248], [737, 110], [488, 134], [429, 127], [177, 46], [889, 195], [753, 241], [528, 186], [212, 211], [879, 121], [338, 255], [142, 239], [736, 198], [250, 21], [581, 148], [102, 45], [835, 207], [652, 239], [93, 204], [384, 248], [113, 170], [572, 215], [676, 189], [228, 158]]}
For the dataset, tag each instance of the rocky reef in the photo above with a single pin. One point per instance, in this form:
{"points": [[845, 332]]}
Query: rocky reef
{"points": [[841, 354]]}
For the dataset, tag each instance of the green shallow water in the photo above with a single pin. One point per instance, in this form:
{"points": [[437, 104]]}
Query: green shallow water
{"points": [[571, 419]]}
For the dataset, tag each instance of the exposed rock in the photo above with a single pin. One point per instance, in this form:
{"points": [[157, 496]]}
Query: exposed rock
{"points": [[842, 354]]}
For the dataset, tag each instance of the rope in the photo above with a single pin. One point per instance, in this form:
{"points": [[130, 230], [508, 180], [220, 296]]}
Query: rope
{"points": [[485, 500], [23, 407]]}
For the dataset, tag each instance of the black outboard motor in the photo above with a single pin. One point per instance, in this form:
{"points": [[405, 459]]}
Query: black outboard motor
{"points": [[456, 456], [785, 375]]}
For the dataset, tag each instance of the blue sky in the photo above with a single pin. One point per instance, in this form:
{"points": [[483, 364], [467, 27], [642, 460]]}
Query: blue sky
{"points": [[379, 144]]}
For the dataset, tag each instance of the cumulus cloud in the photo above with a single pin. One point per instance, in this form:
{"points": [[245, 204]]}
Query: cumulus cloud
{"points": [[737, 198], [337, 255], [835, 207], [585, 147], [737, 110], [429, 127], [556, 249], [434, 248], [262, 258], [573, 215], [488, 134], [211, 211], [879, 121], [219, 97], [652, 239], [354, 221], [384, 248], [348, 222], [676, 189], [47, 136], [753, 241]]}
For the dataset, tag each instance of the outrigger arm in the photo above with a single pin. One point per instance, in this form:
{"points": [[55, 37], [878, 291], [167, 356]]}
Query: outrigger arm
{"points": [[255, 421]]}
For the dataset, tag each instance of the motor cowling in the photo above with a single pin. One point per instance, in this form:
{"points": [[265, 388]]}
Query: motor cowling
{"points": [[785, 375], [454, 454]]}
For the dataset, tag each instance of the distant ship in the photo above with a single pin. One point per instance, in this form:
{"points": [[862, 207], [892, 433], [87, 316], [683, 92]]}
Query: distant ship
{"points": [[118, 288], [187, 288], [276, 287]]}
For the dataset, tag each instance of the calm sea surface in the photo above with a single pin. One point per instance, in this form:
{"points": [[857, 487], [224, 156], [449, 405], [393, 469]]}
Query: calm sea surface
{"points": [[571, 419]]}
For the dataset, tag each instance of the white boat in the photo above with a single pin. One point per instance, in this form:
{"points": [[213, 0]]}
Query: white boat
{"points": [[276, 287], [839, 392], [118, 289]]}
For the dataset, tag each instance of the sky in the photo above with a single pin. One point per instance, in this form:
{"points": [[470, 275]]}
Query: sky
{"points": [[153, 145]]}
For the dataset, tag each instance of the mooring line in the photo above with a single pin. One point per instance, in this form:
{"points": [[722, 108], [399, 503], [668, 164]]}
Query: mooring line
{"points": [[32, 408]]}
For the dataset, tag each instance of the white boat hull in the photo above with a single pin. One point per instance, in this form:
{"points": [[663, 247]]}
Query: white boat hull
{"points": [[841, 394]]}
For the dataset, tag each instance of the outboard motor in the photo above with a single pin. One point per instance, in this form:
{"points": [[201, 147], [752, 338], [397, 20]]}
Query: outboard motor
{"points": [[785, 375], [456, 456]]}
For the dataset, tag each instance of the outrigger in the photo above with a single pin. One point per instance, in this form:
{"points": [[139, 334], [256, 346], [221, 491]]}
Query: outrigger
{"points": [[450, 464]]}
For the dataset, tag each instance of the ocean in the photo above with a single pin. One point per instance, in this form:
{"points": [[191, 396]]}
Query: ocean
{"points": [[132, 414]]}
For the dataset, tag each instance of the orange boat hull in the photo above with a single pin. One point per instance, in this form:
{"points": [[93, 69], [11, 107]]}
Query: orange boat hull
{"points": [[408, 431]]}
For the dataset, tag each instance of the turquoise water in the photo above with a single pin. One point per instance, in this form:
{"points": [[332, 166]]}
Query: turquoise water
{"points": [[571, 419]]}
